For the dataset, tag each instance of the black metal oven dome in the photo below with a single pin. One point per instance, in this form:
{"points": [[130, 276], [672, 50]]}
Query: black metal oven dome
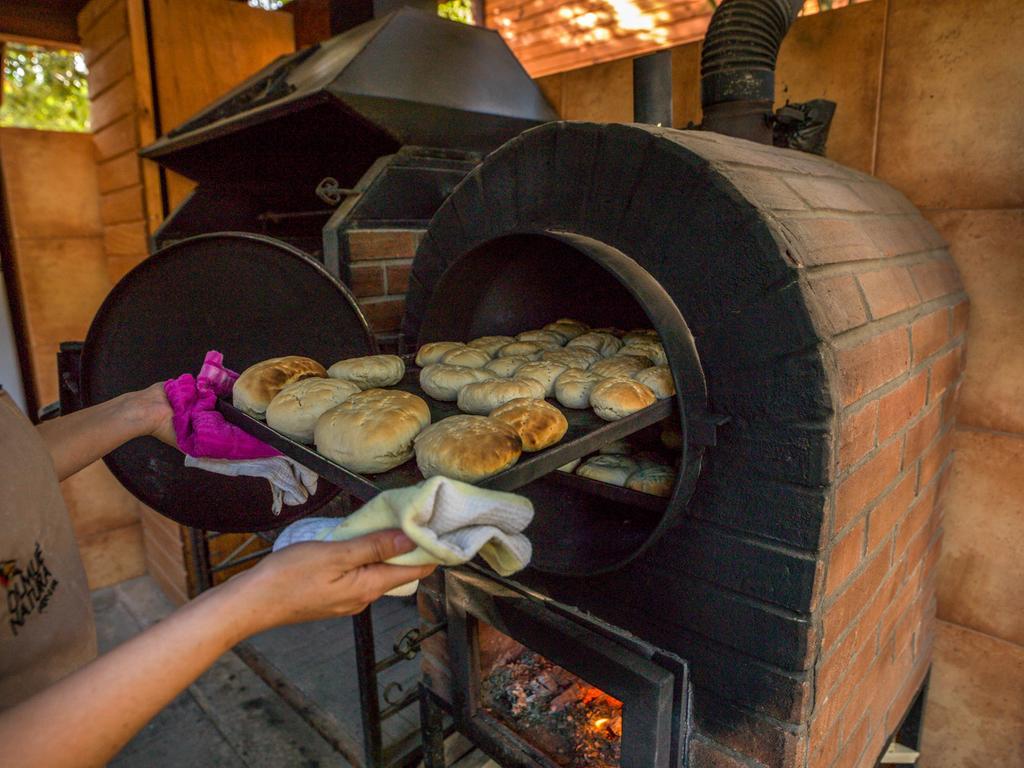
{"points": [[615, 222]]}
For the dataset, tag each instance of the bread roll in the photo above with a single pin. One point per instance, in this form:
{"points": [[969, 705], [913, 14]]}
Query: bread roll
{"points": [[369, 372], [538, 423], [296, 408], [485, 396], [573, 387], [522, 349], [613, 399], [671, 434], [569, 330], [611, 330], [543, 371], [547, 337], [603, 343], [491, 344], [467, 448], [373, 430], [506, 367], [647, 334], [577, 357], [443, 382], [570, 467], [608, 469], [583, 327], [646, 348], [659, 379], [467, 357], [259, 384], [656, 480], [432, 353], [620, 366], [618, 448]]}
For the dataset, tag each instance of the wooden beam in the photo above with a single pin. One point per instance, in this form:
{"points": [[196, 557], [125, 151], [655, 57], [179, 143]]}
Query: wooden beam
{"points": [[40, 23]]}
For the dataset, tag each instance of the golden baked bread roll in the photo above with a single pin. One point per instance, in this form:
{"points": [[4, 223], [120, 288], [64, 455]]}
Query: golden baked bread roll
{"points": [[604, 343], [259, 384], [620, 365], [671, 434], [547, 337], [577, 357], [506, 367], [646, 348], [491, 344], [621, 447], [538, 423], [656, 480], [659, 379], [611, 469], [369, 372], [296, 408], [543, 371], [573, 387], [569, 329], [467, 448], [611, 330], [443, 382], [467, 357], [647, 334], [483, 397], [522, 349], [614, 399], [432, 353], [372, 431]]}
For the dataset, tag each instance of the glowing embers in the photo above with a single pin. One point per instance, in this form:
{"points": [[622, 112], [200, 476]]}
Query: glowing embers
{"points": [[572, 722]]}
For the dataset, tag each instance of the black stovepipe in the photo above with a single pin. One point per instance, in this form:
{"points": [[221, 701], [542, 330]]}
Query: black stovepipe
{"points": [[738, 65]]}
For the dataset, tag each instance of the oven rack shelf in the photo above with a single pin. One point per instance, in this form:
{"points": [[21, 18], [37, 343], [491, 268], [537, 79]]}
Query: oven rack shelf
{"points": [[586, 434]]}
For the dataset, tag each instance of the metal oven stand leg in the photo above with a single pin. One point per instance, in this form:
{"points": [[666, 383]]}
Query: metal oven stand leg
{"points": [[432, 728], [366, 668]]}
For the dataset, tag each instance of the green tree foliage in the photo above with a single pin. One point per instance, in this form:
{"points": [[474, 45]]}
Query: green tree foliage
{"points": [[44, 89], [457, 10]]}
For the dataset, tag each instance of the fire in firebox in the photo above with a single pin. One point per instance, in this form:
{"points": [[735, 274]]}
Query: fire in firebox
{"points": [[574, 723]]}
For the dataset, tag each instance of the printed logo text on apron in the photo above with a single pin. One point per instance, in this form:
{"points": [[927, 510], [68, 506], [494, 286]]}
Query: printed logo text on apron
{"points": [[29, 590]]}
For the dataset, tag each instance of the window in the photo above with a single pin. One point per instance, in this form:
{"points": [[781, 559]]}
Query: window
{"points": [[44, 89]]}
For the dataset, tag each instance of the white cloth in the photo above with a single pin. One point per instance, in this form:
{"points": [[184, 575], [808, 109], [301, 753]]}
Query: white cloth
{"points": [[290, 482], [450, 521]]}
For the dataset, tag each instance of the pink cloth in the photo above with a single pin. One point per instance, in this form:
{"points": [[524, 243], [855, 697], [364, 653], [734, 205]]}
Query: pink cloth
{"points": [[201, 430]]}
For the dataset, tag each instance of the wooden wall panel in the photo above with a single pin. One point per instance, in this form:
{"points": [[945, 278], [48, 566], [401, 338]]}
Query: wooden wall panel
{"points": [[203, 48], [57, 246]]}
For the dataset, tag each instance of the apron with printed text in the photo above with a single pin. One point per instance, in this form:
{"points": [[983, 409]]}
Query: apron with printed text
{"points": [[46, 622]]}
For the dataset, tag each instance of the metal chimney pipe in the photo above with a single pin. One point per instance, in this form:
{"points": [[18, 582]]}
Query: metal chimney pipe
{"points": [[652, 89], [737, 66]]}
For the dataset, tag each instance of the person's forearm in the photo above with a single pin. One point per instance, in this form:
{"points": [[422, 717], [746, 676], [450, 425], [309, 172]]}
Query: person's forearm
{"points": [[77, 440], [85, 719]]}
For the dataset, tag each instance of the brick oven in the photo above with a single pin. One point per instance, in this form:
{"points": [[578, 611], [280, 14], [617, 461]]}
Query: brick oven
{"points": [[777, 609], [797, 581]]}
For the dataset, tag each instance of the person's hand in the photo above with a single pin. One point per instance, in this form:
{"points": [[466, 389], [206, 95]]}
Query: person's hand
{"points": [[324, 579], [155, 413]]}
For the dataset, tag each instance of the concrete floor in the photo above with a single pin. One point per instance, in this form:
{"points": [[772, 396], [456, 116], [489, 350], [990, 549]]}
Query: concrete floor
{"points": [[229, 716]]}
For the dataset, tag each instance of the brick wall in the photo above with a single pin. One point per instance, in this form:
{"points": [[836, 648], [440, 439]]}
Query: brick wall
{"points": [[779, 557], [380, 261]]}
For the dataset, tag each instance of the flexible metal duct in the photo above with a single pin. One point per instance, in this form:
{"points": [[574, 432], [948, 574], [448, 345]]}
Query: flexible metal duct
{"points": [[738, 65]]}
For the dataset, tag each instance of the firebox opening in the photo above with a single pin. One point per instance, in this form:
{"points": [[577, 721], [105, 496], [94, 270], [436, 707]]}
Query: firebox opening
{"points": [[525, 280], [574, 723]]}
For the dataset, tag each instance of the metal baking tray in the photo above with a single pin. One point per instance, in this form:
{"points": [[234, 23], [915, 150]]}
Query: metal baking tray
{"points": [[586, 434]]}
